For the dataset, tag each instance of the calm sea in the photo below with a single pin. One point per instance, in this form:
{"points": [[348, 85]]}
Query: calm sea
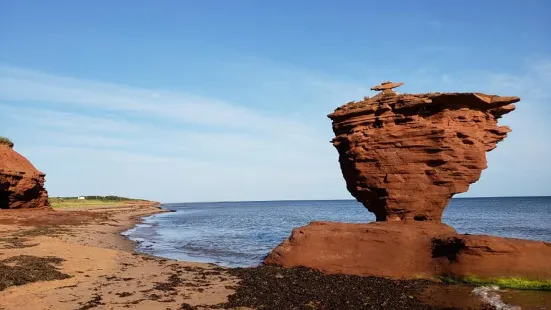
{"points": [[242, 233]]}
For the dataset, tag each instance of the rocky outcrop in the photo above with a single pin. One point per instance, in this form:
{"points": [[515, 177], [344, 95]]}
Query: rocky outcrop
{"points": [[405, 155], [410, 250], [21, 184]]}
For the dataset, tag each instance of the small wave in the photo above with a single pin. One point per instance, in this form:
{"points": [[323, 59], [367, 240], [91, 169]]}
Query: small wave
{"points": [[243, 233], [489, 295]]}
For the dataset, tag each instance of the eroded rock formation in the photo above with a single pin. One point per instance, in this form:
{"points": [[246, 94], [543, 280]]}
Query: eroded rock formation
{"points": [[410, 250], [21, 184], [405, 156]]}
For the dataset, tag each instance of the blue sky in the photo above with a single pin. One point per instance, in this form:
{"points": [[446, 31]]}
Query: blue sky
{"points": [[227, 100]]}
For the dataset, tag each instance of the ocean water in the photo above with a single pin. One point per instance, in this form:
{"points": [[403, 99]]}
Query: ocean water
{"points": [[240, 234]]}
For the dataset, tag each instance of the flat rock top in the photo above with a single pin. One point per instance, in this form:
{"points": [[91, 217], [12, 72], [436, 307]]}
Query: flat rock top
{"points": [[389, 100]]}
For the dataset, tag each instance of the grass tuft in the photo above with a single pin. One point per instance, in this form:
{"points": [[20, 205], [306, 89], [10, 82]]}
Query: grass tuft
{"points": [[514, 283], [6, 141]]}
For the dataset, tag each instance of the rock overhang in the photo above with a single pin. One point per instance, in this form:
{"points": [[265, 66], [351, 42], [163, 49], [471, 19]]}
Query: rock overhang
{"points": [[405, 155], [21, 184]]}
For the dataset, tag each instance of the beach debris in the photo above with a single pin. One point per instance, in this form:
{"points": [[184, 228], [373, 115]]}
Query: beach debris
{"points": [[96, 301], [267, 287], [23, 269]]}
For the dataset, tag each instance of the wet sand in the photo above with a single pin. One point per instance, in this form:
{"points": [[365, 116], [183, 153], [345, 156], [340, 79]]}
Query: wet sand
{"points": [[101, 271], [76, 258]]}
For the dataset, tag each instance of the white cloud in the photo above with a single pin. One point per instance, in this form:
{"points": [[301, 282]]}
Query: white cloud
{"points": [[24, 85], [167, 145], [178, 179], [97, 138], [57, 119], [306, 92]]}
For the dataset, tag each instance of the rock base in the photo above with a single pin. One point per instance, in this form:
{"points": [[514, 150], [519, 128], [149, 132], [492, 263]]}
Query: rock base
{"points": [[410, 250]]}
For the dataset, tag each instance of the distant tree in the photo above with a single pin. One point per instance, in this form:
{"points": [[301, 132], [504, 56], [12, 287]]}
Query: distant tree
{"points": [[105, 198], [109, 198]]}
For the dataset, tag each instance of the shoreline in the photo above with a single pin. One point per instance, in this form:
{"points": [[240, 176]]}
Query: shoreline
{"points": [[128, 222], [77, 258], [86, 262], [135, 220]]}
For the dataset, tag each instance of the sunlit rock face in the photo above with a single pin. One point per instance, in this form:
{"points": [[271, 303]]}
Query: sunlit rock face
{"points": [[21, 184], [405, 155]]}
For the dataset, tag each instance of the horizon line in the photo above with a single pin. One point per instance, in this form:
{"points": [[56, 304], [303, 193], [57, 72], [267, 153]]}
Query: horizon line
{"points": [[348, 199]]}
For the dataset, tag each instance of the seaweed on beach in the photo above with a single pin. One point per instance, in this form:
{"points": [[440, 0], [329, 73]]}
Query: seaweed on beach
{"points": [[267, 287], [124, 294], [186, 306], [171, 284], [23, 269], [15, 243], [50, 231], [92, 303], [19, 239]]}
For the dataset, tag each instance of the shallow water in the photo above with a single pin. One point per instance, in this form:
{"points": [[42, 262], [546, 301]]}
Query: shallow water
{"points": [[460, 297], [242, 233]]}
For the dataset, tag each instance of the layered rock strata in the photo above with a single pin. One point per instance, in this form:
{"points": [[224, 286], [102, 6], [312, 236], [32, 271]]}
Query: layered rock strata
{"points": [[21, 184], [405, 156], [410, 250]]}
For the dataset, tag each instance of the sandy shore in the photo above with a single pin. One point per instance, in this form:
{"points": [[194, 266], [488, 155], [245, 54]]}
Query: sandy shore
{"points": [[76, 258], [98, 265]]}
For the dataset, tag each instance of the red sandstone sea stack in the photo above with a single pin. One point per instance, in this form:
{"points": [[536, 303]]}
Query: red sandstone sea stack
{"points": [[404, 156], [21, 184]]}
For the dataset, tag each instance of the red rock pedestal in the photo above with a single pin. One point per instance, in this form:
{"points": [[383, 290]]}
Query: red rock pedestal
{"points": [[21, 184], [404, 157], [410, 250]]}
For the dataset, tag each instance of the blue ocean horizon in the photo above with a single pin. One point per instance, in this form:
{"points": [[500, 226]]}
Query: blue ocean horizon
{"points": [[242, 233]]}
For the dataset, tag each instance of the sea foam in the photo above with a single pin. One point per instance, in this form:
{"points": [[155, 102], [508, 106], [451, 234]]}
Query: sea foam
{"points": [[490, 295]]}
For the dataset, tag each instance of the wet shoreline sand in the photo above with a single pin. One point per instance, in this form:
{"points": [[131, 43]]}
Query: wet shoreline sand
{"points": [[76, 258], [97, 264]]}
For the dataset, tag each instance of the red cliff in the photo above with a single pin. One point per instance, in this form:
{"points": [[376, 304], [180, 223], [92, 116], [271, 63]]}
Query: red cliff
{"points": [[21, 184]]}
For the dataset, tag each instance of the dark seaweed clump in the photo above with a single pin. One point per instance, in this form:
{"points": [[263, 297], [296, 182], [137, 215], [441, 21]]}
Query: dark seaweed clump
{"points": [[23, 269], [92, 303], [267, 287], [19, 239]]}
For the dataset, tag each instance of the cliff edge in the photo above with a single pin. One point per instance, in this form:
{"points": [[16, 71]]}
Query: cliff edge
{"points": [[21, 184]]}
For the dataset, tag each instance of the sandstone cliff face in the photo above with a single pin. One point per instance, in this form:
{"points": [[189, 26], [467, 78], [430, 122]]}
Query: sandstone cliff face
{"points": [[21, 184], [405, 156]]}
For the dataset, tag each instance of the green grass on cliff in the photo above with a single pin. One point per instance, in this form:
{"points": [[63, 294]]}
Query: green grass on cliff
{"points": [[6, 141], [64, 202], [513, 283]]}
